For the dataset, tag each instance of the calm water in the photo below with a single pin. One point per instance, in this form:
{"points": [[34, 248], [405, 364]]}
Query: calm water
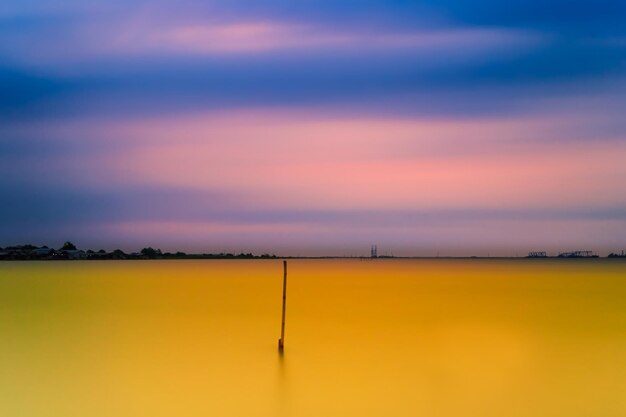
{"points": [[364, 338]]}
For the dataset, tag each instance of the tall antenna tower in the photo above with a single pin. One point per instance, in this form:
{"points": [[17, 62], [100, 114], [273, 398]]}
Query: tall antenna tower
{"points": [[374, 251]]}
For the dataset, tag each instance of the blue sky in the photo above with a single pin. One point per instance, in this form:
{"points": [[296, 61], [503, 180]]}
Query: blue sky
{"points": [[314, 127]]}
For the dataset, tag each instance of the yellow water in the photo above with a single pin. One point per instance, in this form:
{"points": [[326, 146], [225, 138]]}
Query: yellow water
{"points": [[363, 338]]}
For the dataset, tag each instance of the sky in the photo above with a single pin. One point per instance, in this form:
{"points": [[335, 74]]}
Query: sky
{"points": [[314, 127]]}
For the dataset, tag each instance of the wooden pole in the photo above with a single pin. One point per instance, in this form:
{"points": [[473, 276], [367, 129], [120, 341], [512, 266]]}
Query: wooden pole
{"points": [[281, 341]]}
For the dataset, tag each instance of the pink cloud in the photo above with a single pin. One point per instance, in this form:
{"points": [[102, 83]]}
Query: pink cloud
{"points": [[147, 33], [288, 160], [239, 37], [310, 160]]}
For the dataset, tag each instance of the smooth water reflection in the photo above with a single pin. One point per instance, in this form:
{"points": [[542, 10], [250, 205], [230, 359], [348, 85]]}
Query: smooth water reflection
{"points": [[400, 338]]}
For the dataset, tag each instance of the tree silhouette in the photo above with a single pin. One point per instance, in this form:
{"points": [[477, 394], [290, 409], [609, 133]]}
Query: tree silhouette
{"points": [[151, 252], [68, 246]]}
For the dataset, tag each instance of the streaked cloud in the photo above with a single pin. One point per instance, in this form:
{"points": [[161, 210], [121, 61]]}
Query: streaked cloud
{"points": [[323, 161], [313, 127], [146, 34], [263, 36]]}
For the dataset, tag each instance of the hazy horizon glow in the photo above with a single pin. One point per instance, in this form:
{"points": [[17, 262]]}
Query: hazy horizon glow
{"points": [[316, 128]]}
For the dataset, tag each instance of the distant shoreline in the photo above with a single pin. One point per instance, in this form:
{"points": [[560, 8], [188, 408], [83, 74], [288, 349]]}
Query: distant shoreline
{"points": [[361, 258], [70, 252]]}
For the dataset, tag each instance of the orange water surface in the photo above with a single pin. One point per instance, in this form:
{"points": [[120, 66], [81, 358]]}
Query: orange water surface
{"points": [[434, 337]]}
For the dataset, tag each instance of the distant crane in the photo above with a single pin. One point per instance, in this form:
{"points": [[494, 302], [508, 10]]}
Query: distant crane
{"points": [[374, 253]]}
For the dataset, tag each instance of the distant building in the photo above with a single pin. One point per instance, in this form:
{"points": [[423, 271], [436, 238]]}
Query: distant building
{"points": [[41, 251], [578, 254], [74, 254], [537, 255]]}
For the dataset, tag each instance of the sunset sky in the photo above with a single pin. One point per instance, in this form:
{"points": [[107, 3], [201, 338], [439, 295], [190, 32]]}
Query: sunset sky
{"points": [[314, 127]]}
